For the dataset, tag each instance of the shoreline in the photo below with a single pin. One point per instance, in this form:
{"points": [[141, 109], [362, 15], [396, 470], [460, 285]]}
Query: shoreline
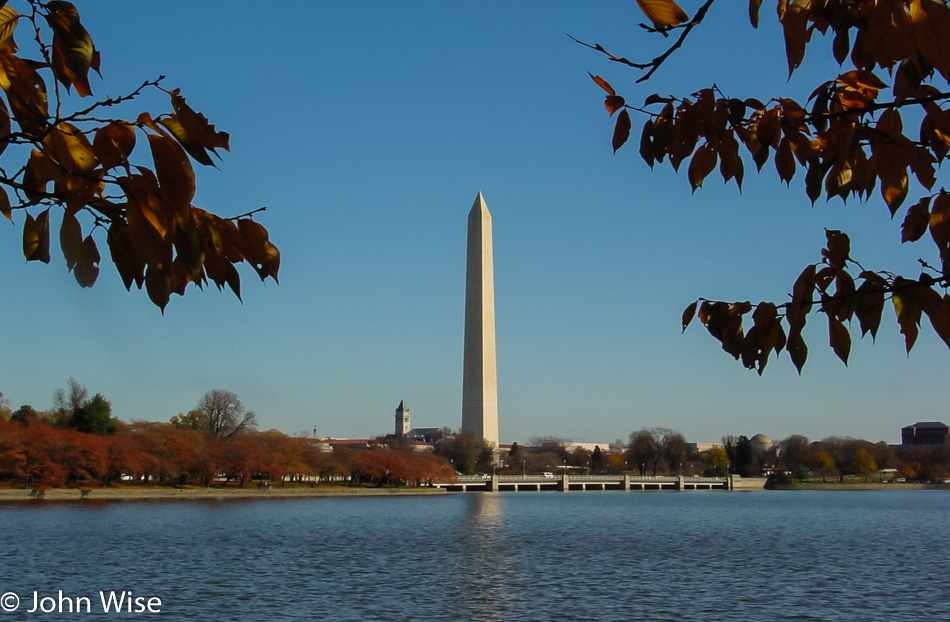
{"points": [[11, 495], [860, 486], [20, 495]]}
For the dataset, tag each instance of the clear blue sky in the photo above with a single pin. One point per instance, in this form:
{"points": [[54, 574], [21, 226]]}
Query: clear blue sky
{"points": [[367, 128]]}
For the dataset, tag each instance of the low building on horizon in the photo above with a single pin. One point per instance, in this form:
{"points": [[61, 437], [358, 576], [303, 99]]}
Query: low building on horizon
{"points": [[925, 434]]}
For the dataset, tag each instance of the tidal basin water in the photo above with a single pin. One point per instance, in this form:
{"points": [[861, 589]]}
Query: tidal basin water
{"points": [[808, 555]]}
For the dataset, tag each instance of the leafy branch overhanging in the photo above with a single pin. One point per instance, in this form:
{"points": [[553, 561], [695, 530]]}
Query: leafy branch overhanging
{"points": [[81, 164], [845, 140]]}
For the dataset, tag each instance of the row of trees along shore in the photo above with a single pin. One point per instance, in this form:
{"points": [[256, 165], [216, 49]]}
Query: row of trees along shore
{"points": [[662, 451], [835, 457], [79, 443]]}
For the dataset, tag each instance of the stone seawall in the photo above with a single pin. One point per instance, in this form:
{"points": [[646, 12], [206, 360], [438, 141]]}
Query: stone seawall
{"points": [[748, 483]]}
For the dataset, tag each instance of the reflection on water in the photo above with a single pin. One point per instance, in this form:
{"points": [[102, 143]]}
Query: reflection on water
{"points": [[873, 556], [481, 570]]}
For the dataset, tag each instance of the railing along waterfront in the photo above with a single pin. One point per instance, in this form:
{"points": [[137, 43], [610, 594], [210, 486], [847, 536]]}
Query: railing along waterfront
{"points": [[569, 483]]}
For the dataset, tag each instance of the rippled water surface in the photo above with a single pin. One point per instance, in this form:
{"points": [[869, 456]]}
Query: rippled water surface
{"points": [[868, 555]]}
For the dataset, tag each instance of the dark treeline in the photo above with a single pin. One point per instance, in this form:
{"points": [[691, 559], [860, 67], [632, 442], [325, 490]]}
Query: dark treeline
{"points": [[836, 457], [661, 451]]}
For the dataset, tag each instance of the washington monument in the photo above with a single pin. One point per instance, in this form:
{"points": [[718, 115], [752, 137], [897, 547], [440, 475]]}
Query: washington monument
{"points": [[479, 378]]}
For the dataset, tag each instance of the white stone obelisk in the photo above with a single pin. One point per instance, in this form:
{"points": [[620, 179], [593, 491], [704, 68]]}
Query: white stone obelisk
{"points": [[479, 376]]}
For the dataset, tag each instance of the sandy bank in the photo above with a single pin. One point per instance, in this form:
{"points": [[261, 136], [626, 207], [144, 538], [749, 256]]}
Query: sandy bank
{"points": [[160, 492]]}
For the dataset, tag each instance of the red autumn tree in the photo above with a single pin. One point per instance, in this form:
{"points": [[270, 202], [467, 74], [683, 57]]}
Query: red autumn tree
{"points": [[285, 455], [12, 452], [44, 450], [126, 458], [86, 456], [241, 458], [850, 137], [172, 452]]}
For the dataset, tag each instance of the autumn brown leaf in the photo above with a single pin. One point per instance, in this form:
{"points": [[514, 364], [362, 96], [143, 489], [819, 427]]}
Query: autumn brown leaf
{"points": [[938, 311], [125, 256], [613, 103], [70, 239], [797, 350], [663, 13], [724, 322], [8, 22], [258, 250], [602, 84], [5, 126], [795, 26], [194, 132], [73, 51], [838, 248], [869, 302], [785, 161], [176, 178], [801, 303], [839, 338], [931, 22], [863, 82], [702, 164], [197, 126], [688, 314], [841, 45], [646, 143], [940, 228], [26, 93], [730, 162], [891, 157], [159, 284], [621, 130], [36, 237], [147, 213], [765, 336], [189, 249], [87, 264], [5, 205], [113, 144], [71, 149], [233, 279], [908, 309], [69, 163], [916, 221], [754, 12]]}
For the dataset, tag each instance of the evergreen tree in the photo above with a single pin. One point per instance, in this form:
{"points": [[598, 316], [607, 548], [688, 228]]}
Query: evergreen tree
{"points": [[94, 416]]}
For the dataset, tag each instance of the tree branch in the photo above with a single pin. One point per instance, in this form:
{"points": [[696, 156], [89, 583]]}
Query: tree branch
{"points": [[248, 214], [112, 101], [654, 64]]}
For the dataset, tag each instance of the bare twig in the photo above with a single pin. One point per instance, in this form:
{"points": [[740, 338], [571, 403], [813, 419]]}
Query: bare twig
{"points": [[113, 101], [248, 214], [655, 64]]}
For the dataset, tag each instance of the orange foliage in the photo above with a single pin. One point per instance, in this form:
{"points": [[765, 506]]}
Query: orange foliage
{"points": [[846, 140], [12, 452], [156, 238], [44, 456]]}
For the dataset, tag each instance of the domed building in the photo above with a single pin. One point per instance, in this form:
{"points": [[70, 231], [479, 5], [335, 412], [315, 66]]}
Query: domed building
{"points": [[761, 442]]}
